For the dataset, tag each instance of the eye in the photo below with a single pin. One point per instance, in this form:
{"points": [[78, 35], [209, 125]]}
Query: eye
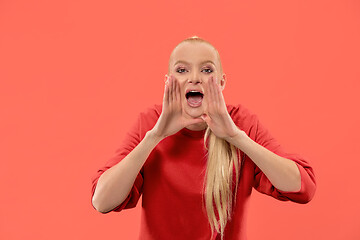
{"points": [[208, 70], [180, 70]]}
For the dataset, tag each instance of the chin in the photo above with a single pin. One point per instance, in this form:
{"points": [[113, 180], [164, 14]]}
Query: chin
{"points": [[193, 112]]}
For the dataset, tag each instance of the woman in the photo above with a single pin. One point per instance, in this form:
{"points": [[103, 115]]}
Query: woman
{"points": [[196, 159]]}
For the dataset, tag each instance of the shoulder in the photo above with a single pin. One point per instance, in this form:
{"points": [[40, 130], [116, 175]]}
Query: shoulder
{"points": [[151, 111], [242, 116], [146, 119], [240, 112]]}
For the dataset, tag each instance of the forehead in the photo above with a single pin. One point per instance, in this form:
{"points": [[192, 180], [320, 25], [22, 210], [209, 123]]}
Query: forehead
{"points": [[194, 52]]}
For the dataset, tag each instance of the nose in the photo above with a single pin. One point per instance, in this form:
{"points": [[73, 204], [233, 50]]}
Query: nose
{"points": [[194, 79]]}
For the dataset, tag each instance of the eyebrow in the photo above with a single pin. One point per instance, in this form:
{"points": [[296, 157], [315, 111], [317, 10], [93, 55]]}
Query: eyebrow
{"points": [[206, 61]]}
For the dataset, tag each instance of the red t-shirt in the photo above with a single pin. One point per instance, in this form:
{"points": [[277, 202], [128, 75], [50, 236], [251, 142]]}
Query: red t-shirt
{"points": [[172, 177]]}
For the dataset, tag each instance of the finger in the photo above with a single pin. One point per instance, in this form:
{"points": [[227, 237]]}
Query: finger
{"points": [[208, 91], [166, 93], [188, 122], [212, 91], [205, 118], [207, 96], [173, 96], [217, 92], [174, 88], [221, 98], [178, 96], [174, 91], [170, 90]]}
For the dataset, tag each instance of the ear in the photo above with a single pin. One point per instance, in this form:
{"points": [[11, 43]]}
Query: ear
{"points": [[223, 81]]}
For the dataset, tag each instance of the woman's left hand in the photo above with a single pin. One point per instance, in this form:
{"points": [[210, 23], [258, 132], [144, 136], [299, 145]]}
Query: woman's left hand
{"points": [[216, 115]]}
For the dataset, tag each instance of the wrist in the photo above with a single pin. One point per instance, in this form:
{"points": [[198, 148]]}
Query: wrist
{"points": [[237, 138], [154, 136]]}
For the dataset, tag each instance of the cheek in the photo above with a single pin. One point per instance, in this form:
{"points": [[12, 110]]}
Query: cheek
{"points": [[182, 85]]}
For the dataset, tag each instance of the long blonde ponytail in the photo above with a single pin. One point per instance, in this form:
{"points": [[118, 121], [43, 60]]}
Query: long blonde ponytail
{"points": [[222, 158]]}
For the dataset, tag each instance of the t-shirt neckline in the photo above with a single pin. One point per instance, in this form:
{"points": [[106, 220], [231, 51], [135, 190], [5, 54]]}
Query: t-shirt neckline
{"points": [[194, 134]]}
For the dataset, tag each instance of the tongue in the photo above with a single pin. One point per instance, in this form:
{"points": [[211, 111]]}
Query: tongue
{"points": [[195, 99]]}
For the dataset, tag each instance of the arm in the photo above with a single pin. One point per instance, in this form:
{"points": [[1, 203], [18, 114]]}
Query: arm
{"points": [[283, 173], [115, 183], [279, 174], [261, 181], [273, 174], [122, 173]]}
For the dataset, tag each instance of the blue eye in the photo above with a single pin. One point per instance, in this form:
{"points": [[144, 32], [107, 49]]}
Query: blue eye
{"points": [[208, 70], [180, 69]]}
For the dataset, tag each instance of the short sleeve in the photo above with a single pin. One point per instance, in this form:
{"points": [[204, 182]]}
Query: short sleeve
{"points": [[131, 140], [262, 183]]}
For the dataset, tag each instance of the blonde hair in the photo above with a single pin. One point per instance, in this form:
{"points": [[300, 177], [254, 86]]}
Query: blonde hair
{"points": [[218, 183], [197, 39]]}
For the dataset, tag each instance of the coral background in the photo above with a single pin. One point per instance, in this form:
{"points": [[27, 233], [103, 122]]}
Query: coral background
{"points": [[75, 74]]}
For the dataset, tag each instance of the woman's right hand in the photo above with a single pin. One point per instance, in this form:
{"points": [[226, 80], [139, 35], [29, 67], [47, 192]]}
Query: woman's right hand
{"points": [[171, 119]]}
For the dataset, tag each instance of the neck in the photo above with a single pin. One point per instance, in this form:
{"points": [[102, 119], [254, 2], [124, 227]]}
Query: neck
{"points": [[197, 126]]}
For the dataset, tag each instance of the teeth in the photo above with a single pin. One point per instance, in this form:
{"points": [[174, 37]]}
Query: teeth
{"points": [[187, 95]]}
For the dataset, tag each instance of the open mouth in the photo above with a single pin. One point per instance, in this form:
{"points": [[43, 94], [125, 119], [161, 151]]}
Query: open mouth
{"points": [[194, 98]]}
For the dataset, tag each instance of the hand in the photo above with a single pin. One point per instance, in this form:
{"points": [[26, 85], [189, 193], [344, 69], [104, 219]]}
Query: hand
{"points": [[216, 115], [171, 119]]}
